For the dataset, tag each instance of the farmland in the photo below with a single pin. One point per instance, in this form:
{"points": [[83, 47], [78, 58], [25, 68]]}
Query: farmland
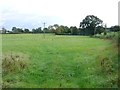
{"points": [[59, 61]]}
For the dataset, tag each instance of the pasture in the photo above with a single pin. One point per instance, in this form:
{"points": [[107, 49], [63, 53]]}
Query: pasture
{"points": [[58, 61]]}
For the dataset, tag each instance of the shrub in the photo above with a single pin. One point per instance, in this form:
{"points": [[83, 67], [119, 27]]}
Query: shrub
{"points": [[114, 36]]}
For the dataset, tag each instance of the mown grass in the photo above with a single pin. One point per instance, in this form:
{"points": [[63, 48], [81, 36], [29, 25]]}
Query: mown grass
{"points": [[61, 61]]}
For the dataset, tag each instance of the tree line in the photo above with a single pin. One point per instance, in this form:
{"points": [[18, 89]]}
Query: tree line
{"points": [[90, 25]]}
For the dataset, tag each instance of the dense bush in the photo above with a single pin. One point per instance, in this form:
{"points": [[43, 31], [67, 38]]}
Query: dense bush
{"points": [[114, 36]]}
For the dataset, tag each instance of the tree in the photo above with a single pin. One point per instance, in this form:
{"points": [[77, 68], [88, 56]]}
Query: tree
{"points": [[14, 29], [100, 29], [39, 30], [46, 30], [34, 30], [3, 31], [51, 29], [55, 26], [67, 30], [60, 30], [17, 30], [74, 30], [26, 30], [57, 29], [115, 28], [90, 23]]}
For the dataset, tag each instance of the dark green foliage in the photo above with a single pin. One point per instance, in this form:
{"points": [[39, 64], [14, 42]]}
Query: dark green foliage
{"points": [[17, 30], [67, 30], [37, 30], [115, 28], [74, 30], [51, 29], [26, 30], [99, 30], [46, 30], [109, 35], [62, 30], [33, 30], [3, 31], [105, 33], [90, 23]]}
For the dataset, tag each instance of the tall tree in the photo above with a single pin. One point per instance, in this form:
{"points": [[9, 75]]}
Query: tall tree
{"points": [[39, 30], [57, 29], [33, 30], [46, 30], [67, 30], [100, 29], [51, 29], [115, 28], [90, 23], [3, 30], [26, 30], [55, 26], [74, 30], [14, 29], [17, 30]]}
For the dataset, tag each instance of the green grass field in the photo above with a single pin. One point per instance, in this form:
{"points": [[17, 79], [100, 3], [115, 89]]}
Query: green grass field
{"points": [[59, 61]]}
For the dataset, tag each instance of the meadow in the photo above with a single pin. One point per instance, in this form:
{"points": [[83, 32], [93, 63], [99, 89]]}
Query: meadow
{"points": [[58, 61]]}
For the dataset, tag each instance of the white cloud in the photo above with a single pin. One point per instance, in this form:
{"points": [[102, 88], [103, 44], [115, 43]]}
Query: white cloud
{"points": [[67, 12]]}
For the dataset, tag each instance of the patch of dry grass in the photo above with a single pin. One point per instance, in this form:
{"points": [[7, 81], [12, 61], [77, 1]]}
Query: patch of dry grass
{"points": [[14, 62]]}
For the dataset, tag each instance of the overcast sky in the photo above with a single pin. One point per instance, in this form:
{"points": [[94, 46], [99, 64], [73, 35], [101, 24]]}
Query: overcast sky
{"points": [[32, 13]]}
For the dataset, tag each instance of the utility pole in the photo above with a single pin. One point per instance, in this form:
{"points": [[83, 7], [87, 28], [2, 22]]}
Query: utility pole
{"points": [[44, 29], [105, 26]]}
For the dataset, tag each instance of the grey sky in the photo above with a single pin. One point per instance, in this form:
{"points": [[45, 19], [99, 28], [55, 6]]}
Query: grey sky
{"points": [[32, 13]]}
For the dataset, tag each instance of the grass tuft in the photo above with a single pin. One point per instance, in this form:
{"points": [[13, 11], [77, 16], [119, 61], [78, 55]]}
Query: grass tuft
{"points": [[12, 63]]}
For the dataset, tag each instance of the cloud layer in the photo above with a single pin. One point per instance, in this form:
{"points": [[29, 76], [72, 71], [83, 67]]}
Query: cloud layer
{"points": [[32, 13]]}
